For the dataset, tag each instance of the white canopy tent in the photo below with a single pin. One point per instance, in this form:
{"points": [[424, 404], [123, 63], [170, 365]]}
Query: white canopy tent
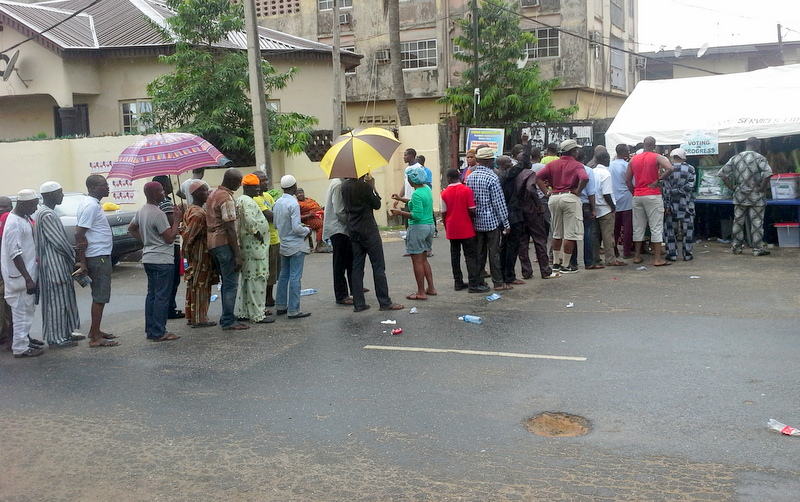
{"points": [[762, 103]]}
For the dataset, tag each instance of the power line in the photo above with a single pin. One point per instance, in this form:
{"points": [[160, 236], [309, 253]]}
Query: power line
{"points": [[51, 27], [580, 36]]}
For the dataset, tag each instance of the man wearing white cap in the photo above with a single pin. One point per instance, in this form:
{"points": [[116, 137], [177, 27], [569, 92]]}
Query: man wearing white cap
{"points": [[56, 265], [286, 214], [20, 272], [679, 206]]}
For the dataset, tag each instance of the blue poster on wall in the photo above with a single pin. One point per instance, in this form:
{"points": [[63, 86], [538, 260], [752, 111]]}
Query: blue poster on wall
{"points": [[492, 137]]}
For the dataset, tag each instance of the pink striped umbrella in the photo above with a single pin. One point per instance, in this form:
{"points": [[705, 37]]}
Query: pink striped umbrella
{"points": [[167, 154]]}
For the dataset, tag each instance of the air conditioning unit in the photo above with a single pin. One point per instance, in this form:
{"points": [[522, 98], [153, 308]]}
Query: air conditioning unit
{"points": [[382, 56], [641, 62], [595, 38], [345, 19], [529, 3]]}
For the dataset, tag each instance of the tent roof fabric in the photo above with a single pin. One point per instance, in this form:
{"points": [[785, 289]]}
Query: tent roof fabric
{"points": [[761, 103]]}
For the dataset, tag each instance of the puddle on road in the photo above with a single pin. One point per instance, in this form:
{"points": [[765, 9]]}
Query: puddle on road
{"points": [[553, 424]]}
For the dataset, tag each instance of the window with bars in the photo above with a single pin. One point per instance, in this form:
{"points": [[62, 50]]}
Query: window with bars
{"points": [[328, 4], [618, 13], [547, 44], [130, 115], [419, 54]]}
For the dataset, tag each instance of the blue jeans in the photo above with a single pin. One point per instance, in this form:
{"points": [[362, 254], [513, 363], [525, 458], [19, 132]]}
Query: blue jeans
{"points": [[224, 260], [289, 283], [156, 304]]}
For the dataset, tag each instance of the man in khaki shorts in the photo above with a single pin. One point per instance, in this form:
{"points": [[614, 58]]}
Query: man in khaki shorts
{"points": [[563, 180]]}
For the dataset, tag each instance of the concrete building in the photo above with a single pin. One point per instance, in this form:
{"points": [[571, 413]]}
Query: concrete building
{"points": [[716, 60], [580, 41]]}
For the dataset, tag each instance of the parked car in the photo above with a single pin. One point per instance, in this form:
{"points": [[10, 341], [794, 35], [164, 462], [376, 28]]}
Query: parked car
{"points": [[124, 243]]}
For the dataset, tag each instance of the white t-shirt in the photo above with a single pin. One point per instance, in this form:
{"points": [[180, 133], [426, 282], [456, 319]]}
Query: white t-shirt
{"points": [[604, 186], [185, 189], [17, 241], [99, 238]]}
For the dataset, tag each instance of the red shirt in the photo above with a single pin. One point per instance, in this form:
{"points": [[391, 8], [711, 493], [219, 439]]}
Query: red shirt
{"points": [[563, 174], [457, 200], [3, 219], [645, 171]]}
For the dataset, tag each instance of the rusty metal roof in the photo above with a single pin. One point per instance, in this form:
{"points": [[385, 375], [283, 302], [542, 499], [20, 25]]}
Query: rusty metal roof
{"points": [[116, 24]]}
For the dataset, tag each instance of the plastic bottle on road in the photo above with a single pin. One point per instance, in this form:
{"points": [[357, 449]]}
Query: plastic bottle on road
{"points": [[306, 292], [782, 428], [214, 298], [472, 319]]}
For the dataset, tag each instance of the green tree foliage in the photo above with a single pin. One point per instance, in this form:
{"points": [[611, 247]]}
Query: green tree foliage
{"points": [[207, 92], [508, 94]]}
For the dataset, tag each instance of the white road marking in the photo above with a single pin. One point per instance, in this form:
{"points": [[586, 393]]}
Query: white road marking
{"points": [[473, 352]]}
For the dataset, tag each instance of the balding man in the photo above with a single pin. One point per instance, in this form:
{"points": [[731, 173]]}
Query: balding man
{"points": [[155, 230], [747, 174], [645, 173], [223, 244]]}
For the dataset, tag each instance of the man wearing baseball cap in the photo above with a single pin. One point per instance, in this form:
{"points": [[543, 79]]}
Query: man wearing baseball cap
{"points": [[20, 272], [679, 205], [563, 180], [286, 214], [56, 265]]}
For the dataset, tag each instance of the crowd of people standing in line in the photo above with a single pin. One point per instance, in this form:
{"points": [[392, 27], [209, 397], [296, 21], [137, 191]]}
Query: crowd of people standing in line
{"points": [[255, 245]]}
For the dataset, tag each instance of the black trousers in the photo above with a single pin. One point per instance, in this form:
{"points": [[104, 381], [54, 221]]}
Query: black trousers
{"points": [[372, 246], [342, 266], [488, 244], [176, 279], [509, 249], [470, 256], [535, 228]]}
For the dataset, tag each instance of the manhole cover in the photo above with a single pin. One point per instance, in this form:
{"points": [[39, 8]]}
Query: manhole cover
{"points": [[557, 425]]}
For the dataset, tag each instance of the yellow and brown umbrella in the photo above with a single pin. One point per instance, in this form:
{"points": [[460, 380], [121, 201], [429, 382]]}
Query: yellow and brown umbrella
{"points": [[356, 153]]}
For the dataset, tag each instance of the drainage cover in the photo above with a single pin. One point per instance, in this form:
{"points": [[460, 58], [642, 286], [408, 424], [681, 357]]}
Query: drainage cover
{"points": [[553, 424]]}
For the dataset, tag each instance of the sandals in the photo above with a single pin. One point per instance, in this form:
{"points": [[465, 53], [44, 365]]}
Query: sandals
{"points": [[168, 337], [394, 306], [345, 301], [237, 326], [595, 267], [414, 296], [206, 324], [105, 343]]}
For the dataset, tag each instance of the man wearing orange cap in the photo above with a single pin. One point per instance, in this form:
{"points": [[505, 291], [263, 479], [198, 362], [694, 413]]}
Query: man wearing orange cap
{"points": [[254, 241]]}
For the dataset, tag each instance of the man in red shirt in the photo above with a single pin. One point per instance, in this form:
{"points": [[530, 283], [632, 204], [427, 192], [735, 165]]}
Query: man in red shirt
{"points": [[643, 177], [458, 209], [563, 180]]}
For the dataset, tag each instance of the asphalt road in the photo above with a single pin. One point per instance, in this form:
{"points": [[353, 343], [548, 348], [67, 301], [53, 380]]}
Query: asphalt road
{"points": [[679, 379]]}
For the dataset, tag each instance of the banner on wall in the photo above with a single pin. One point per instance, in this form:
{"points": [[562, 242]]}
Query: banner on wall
{"points": [[492, 137]]}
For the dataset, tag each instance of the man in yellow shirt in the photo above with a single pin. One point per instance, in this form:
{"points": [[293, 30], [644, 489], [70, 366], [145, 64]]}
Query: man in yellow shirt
{"points": [[265, 203]]}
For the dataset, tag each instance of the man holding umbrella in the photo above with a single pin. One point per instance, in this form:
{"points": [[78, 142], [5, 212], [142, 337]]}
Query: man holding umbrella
{"points": [[351, 157]]}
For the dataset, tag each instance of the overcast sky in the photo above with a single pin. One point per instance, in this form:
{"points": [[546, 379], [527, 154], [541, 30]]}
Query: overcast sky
{"points": [[691, 23]]}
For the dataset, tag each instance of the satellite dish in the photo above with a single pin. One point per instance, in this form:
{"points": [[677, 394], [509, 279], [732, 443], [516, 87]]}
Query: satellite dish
{"points": [[703, 50], [10, 63], [678, 51], [521, 62]]}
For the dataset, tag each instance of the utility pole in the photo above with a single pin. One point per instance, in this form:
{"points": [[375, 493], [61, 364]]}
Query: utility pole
{"points": [[780, 44], [257, 98], [337, 74], [476, 83]]}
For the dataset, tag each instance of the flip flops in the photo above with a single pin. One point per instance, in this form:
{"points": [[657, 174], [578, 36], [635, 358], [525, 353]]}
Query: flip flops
{"points": [[168, 337], [105, 343]]}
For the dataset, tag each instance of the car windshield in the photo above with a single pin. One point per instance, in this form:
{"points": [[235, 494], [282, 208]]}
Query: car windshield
{"points": [[69, 207]]}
